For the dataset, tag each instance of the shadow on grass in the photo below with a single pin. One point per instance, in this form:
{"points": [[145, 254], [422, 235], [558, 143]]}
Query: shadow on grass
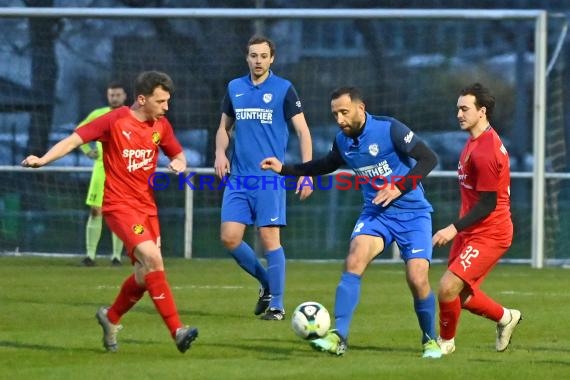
{"points": [[298, 347], [43, 347]]}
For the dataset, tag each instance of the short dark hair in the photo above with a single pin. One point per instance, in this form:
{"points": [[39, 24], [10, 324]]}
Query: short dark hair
{"points": [[483, 97], [147, 81], [259, 39], [114, 85], [352, 92]]}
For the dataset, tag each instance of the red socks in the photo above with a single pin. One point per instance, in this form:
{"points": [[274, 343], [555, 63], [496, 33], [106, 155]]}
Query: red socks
{"points": [[129, 295], [161, 296], [449, 318], [481, 304]]}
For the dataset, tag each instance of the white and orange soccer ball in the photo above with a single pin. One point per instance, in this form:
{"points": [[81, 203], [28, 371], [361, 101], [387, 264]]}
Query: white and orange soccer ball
{"points": [[310, 320]]}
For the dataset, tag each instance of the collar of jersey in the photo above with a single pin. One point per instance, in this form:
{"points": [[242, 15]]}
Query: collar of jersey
{"points": [[250, 82]]}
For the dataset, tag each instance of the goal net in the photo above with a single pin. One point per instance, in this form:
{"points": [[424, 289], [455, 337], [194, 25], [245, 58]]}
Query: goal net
{"points": [[410, 64]]}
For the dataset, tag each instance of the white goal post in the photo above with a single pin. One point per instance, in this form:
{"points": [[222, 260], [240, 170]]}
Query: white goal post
{"points": [[540, 62]]}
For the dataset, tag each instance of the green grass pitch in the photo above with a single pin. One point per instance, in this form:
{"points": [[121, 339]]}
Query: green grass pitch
{"points": [[48, 329]]}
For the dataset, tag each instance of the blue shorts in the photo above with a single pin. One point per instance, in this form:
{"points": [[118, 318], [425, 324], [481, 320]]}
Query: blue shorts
{"points": [[412, 231], [254, 200]]}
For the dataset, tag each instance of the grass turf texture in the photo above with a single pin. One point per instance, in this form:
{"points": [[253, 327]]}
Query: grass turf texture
{"points": [[48, 329]]}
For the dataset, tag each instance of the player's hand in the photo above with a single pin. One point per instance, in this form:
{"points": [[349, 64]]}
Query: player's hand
{"points": [[272, 163], [32, 162], [221, 166], [444, 236], [93, 153], [177, 166], [385, 196], [305, 187]]}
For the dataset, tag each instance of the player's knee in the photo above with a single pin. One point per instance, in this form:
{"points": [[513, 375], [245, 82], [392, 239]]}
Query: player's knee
{"points": [[95, 212], [154, 264], [229, 241], [419, 284], [150, 257], [355, 264], [446, 290]]}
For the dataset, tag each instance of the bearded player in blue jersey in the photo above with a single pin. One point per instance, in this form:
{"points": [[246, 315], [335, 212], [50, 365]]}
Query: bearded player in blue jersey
{"points": [[256, 111], [389, 161]]}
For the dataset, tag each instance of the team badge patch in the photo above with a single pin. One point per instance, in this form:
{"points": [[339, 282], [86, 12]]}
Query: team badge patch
{"points": [[373, 150], [156, 138], [138, 229], [267, 97]]}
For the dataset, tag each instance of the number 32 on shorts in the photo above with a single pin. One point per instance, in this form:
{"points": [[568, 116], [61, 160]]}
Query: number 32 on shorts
{"points": [[467, 255]]}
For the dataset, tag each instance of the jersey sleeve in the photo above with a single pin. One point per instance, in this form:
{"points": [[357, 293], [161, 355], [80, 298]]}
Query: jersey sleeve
{"points": [[227, 106], [97, 129], [402, 137], [292, 104], [169, 143], [487, 167], [86, 148]]}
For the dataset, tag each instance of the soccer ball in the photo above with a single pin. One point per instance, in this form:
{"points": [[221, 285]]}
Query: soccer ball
{"points": [[311, 320]]}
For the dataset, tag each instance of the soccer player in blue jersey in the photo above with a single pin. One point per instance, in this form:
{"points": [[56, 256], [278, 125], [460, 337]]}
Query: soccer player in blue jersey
{"points": [[256, 111], [390, 161]]}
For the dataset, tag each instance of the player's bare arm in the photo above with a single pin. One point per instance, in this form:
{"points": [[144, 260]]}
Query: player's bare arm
{"points": [[177, 163], [59, 150], [306, 144], [444, 236], [222, 164]]}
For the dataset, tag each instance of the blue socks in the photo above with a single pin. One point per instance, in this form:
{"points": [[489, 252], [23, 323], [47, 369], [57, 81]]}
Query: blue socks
{"points": [[347, 297], [273, 278], [276, 277], [425, 310], [247, 259]]}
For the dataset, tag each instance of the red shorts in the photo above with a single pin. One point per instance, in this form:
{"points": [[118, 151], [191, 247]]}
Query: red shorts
{"points": [[472, 257], [133, 228]]}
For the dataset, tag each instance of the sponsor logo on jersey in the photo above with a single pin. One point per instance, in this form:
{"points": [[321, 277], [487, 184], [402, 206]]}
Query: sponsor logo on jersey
{"points": [[127, 134], [462, 177], [408, 137], [380, 169], [139, 158], [138, 229], [264, 115], [156, 137], [267, 97], [373, 150]]}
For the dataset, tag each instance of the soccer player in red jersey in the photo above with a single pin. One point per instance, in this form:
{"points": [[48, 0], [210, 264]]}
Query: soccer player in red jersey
{"points": [[484, 231], [131, 138]]}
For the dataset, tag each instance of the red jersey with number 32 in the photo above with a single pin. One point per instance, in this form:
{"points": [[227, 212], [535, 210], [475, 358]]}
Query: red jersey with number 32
{"points": [[131, 153], [484, 166]]}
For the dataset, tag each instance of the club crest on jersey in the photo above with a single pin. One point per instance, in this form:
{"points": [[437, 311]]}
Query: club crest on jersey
{"points": [[138, 229], [373, 150], [267, 97], [156, 138]]}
